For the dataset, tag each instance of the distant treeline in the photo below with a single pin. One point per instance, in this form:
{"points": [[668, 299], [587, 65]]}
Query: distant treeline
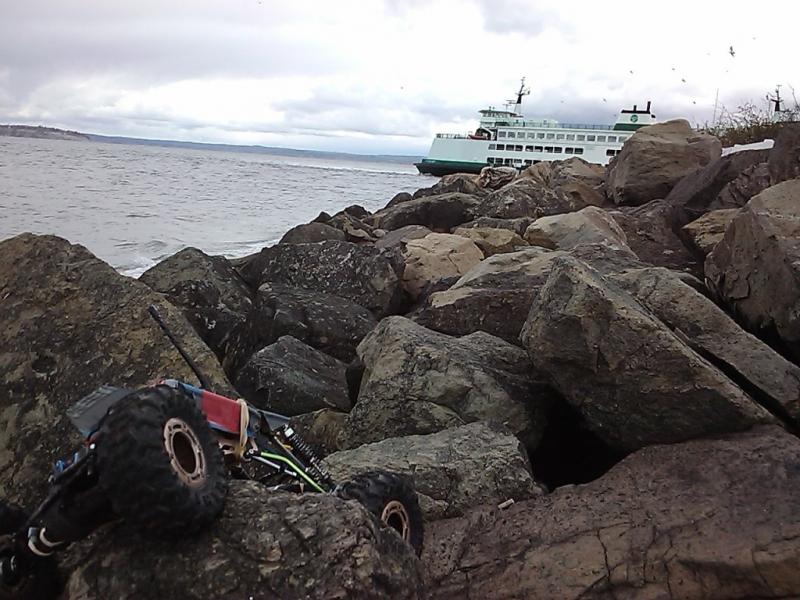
{"points": [[41, 132]]}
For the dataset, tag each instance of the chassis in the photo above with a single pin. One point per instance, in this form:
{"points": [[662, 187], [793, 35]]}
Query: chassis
{"points": [[161, 457]]}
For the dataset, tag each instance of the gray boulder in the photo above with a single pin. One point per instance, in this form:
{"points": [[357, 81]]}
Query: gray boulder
{"points": [[404, 234], [265, 546], [462, 183], [441, 212], [590, 225], [706, 232], [291, 378], [492, 240], [703, 520], [755, 269], [452, 470], [70, 323], [418, 381], [784, 158], [323, 429], [657, 157], [634, 381], [518, 226], [310, 233], [361, 273]]}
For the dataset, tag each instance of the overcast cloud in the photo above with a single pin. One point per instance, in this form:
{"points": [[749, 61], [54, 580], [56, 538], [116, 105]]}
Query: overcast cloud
{"points": [[377, 76]]}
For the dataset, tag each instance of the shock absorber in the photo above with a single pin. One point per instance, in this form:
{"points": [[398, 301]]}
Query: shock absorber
{"points": [[306, 453]]}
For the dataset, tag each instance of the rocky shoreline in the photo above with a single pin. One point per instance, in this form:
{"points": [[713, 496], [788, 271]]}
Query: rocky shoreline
{"points": [[591, 374]]}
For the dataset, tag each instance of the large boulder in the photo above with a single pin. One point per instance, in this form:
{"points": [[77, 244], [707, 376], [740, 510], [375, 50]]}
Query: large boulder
{"points": [[632, 379], [361, 273], [703, 234], [70, 323], [528, 197], [492, 240], [704, 520], [439, 213], [495, 296], [649, 234], [291, 378], [784, 158], [329, 323], [755, 269], [754, 366], [493, 178], [402, 235], [698, 192], [655, 158], [518, 225], [573, 177], [310, 233], [266, 545], [323, 429], [418, 381], [434, 257], [462, 183], [452, 470], [214, 299], [590, 225]]}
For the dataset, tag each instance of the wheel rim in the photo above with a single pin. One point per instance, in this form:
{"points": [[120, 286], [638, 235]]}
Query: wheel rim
{"points": [[7, 554], [185, 452], [396, 516]]}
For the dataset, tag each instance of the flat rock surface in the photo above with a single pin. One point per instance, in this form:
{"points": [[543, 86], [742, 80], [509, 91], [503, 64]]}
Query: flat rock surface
{"points": [[704, 520]]}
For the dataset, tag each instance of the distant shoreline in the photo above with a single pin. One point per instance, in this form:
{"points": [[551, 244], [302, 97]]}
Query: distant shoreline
{"points": [[41, 132]]}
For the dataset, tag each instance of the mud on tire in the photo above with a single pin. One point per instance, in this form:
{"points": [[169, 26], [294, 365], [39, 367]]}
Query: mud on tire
{"points": [[160, 464], [38, 578], [391, 499]]}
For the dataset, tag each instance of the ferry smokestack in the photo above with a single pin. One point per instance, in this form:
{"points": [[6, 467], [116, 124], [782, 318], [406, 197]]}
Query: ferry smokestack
{"points": [[648, 106], [634, 108]]}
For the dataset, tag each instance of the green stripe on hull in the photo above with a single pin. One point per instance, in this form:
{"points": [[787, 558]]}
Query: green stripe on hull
{"points": [[446, 167], [628, 126]]}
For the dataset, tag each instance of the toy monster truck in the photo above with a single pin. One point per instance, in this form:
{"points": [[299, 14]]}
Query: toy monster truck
{"points": [[161, 457]]}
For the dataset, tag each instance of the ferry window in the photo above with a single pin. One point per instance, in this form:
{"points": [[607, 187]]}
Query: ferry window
{"points": [[528, 162], [511, 134], [560, 136], [589, 138], [581, 138], [518, 148], [612, 138], [501, 134], [538, 149], [601, 138], [610, 152], [528, 148], [567, 150], [557, 149], [492, 147], [548, 149], [501, 146], [540, 135], [570, 136], [550, 136], [578, 150], [622, 138], [507, 161], [531, 135]]}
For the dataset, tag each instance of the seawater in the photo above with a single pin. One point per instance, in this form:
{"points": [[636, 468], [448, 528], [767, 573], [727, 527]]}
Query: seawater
{"points": [[133, 205]]}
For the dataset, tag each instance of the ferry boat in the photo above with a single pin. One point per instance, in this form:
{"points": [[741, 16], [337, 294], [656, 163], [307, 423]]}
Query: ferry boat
{"points": [[507, 138]]}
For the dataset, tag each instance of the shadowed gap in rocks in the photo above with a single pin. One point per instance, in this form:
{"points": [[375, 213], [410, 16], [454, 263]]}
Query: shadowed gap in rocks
{"points": [[570, 453]]}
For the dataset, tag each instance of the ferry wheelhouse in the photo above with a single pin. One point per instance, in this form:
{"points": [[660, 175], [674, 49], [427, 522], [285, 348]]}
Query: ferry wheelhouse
{"points": [[507, 138]]}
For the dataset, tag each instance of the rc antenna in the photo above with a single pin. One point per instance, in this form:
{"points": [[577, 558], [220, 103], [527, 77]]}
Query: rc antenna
{"points": [[204, 382]]}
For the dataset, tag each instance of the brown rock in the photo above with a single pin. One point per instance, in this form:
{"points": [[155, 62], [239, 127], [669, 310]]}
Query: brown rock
{"points": [[590, 225], [434, 257], [491, 240], [707, 231]]}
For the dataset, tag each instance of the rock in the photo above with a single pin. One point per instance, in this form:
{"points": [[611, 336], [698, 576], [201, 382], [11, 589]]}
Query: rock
{"points": [[750, 182], [417, 381], [574, 178], [749, 362], [399, 198], [266, 545], [70, 323], [368, 276], [214, 299], [784, 158], [493, 178], [491, 240], [310, 233], [452, 470], [354, 229], [518, 226], [529, 197], [461, 183], [322, 429], [697, 192], [434, 257], [590, 225], [398, 236], [655, 158], [649, 234], [495, 296], [438, 213], [706, 232], [704, 520], [328, 323], [755, 269], [291, 378], [632, 379]]}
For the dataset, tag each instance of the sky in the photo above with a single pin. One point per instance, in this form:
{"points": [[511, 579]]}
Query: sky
{"points": [[379, 76]]}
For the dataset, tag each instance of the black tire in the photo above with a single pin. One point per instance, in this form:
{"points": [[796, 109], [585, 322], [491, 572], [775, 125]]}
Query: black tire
{"points": [[160, 463], [37, 577], [391, 499]]}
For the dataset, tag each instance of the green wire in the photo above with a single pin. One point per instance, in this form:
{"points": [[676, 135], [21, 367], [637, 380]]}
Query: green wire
{"points": [[294, 468]]}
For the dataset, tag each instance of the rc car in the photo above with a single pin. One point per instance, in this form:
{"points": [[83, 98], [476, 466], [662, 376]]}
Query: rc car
{"points": [[161, 457]]}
